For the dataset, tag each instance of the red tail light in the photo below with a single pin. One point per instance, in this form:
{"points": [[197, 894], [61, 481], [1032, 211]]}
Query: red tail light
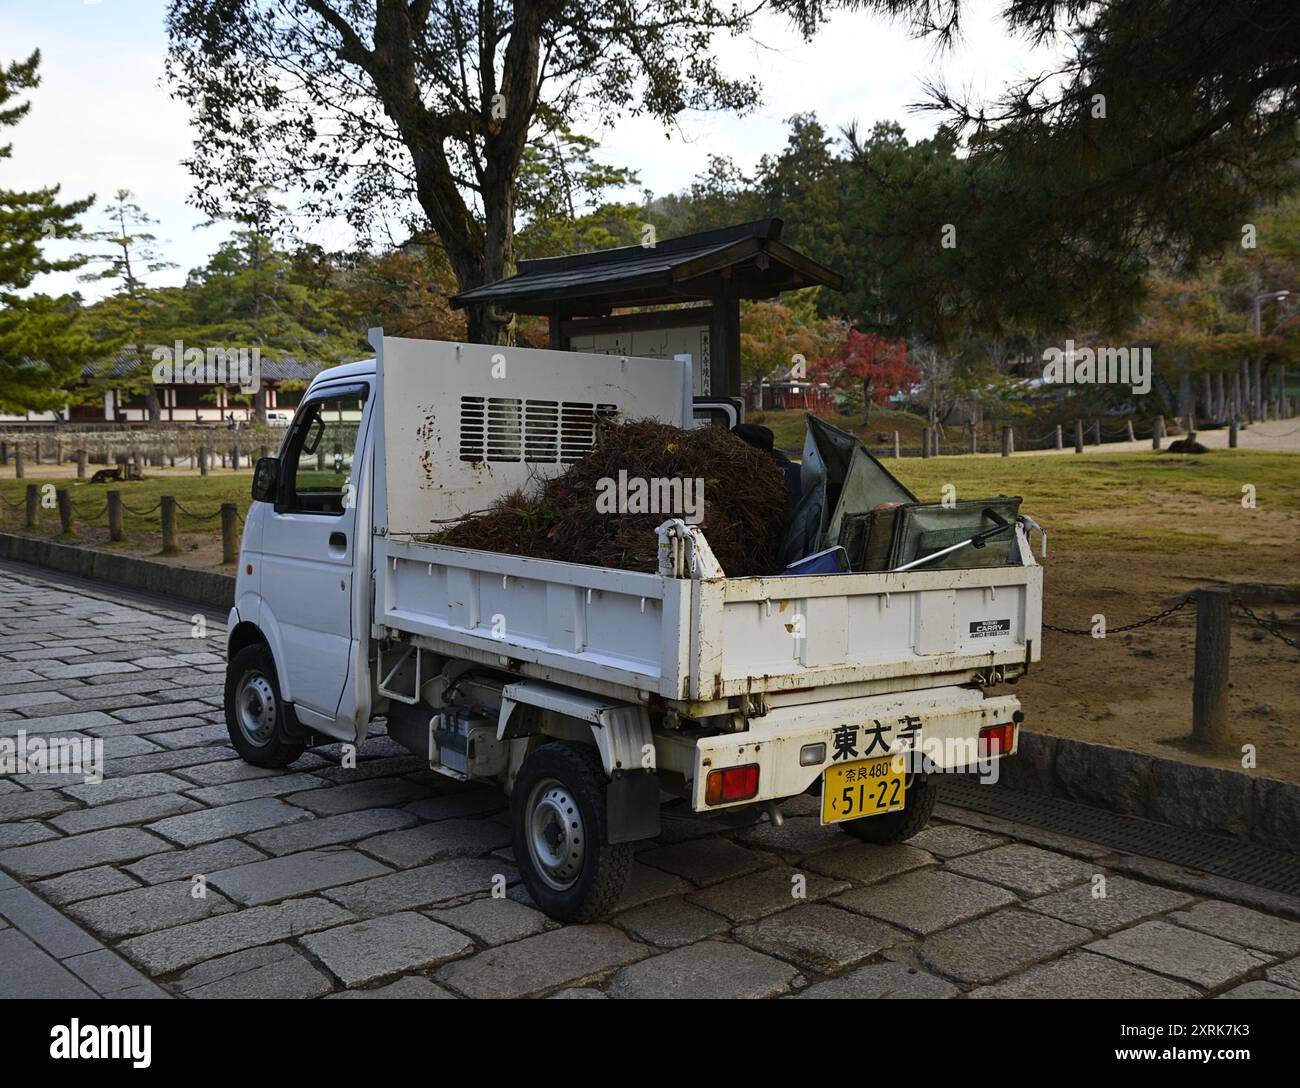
{"points": [[731, 784], [997, 740]]}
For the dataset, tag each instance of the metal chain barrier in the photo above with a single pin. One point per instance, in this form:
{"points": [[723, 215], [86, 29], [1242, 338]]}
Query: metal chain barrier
{"points": [[142, 513], [197, 517], [89, 517], [1271, 628], [1126, 627]]}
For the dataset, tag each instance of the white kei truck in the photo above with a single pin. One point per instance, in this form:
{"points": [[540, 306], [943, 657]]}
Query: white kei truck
{"points": [[592, 696]]}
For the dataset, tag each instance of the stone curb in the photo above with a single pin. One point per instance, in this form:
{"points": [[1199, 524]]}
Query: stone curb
{"points": [[202, 587], [1260, 810]]}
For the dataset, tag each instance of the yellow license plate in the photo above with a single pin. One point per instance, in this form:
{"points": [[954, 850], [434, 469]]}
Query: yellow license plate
{"points": [[867, 787]]}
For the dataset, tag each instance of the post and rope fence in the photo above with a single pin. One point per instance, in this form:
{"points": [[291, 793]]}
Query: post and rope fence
{"points": [[1212, 658]]}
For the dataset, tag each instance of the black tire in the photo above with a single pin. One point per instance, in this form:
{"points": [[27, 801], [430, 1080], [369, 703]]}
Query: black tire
{"points": [[586, 880], [897, 826], [253, 697]]}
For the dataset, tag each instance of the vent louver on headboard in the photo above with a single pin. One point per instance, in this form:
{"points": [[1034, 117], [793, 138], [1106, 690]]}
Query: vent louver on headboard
{"points": [[534, 431]]}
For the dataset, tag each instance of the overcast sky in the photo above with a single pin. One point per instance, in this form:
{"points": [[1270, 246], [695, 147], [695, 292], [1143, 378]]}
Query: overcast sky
{"points": [[102, 119]]}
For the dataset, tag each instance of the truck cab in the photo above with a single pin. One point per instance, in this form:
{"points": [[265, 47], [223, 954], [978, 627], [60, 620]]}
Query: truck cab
{"points": [[592, 696]]}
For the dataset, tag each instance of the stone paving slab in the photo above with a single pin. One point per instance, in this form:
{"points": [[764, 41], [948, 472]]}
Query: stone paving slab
{"points": [[388, 945], [211, 824], [82, 851], [997, 945], [820, 938], [927, 900], [537, 964], [331, 830], [423, 886], [270, 971], [147, 910], [1026, 870], [169, 950], [1180, 953], [882, 980], [1243, 926], [711, 969], [1086, 975], [295, 874], [1124, 902]]}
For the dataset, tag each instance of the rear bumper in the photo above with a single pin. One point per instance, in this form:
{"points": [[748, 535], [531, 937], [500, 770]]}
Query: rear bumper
{"points": [[940, 724]]}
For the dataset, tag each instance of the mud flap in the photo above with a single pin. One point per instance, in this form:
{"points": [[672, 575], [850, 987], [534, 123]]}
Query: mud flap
{"points": [[632, 806]]}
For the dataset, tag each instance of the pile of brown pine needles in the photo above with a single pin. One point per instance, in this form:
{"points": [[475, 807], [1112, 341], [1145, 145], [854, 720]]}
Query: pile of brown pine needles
{"points": [[577, 516]]}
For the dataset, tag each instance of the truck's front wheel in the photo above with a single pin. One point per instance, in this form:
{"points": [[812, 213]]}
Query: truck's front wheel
{"points": [[561, 843], [255, 713], [898, 826]]}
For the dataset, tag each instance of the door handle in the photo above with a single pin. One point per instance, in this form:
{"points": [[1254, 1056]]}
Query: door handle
{"points": [[338, 540]]}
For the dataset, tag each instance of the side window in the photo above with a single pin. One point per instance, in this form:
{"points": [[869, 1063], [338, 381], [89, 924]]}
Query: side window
{"points": [[316, 467]]}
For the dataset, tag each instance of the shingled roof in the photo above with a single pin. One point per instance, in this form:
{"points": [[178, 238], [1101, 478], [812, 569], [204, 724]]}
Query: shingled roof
{"points": [[687, 268]]}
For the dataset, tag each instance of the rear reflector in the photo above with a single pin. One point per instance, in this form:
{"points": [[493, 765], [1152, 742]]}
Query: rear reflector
{"points": [[731, 784], [997, 740]]}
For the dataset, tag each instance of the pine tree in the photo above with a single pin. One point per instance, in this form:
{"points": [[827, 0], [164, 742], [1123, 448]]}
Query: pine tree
{"points": [[43, 347]]}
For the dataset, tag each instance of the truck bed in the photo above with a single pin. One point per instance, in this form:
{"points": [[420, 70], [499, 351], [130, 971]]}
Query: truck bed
{"points": [[692, 640]]}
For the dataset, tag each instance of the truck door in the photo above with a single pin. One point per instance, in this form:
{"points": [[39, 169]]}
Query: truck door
{"points": [[308, 545]]}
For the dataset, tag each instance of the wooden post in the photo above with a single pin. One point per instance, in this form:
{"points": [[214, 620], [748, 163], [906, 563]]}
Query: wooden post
{"points": [[65, 510], [320, 458], [4, 454], [115, 531], [1155, 436], [1096, 432], [18, 462], [1058, 436], [36, 452], [897, 452], [1078, 436], [33, 506], [934, 441], [203, 460], [1232, 434], [234, 456], [81, 464], [168, 503], [1131, 436], [1210, 686], [58, 451], [1006, 441], [229, 534], [925, 441]]}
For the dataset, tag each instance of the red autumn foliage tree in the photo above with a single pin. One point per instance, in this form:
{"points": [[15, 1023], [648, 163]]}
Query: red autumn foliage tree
{"points": [[869, 367]]}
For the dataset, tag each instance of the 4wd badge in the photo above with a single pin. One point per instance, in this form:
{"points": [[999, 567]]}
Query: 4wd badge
{"points": [[990, 628]]}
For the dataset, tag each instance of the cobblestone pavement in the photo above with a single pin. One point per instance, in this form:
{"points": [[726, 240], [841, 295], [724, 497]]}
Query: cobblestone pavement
{"points": [[378, 881]]}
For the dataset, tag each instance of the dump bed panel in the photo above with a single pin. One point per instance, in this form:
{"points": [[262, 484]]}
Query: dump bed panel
{"points": [[620, 627], [774, 634]]}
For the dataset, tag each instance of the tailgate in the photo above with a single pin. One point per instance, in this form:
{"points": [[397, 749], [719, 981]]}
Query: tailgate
{"points": [[776, 634]]}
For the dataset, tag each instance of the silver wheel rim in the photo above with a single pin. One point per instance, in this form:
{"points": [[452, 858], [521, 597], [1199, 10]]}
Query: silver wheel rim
{"points": [[557, 841], [255, 709]]}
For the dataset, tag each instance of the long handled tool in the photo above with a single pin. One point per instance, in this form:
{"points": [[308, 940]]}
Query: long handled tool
{"points": [[977, 541]]}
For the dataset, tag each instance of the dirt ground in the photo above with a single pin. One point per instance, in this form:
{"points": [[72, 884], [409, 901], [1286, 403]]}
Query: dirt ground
{"points": [[1127, 562]]}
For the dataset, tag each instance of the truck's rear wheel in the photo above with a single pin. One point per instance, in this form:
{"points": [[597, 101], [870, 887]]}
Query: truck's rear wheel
{"points": [[255, 712], [560, 832], [898, 826]]}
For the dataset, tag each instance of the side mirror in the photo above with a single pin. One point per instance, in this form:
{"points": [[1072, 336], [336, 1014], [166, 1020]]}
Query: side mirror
{"points": [[266, 475]]}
